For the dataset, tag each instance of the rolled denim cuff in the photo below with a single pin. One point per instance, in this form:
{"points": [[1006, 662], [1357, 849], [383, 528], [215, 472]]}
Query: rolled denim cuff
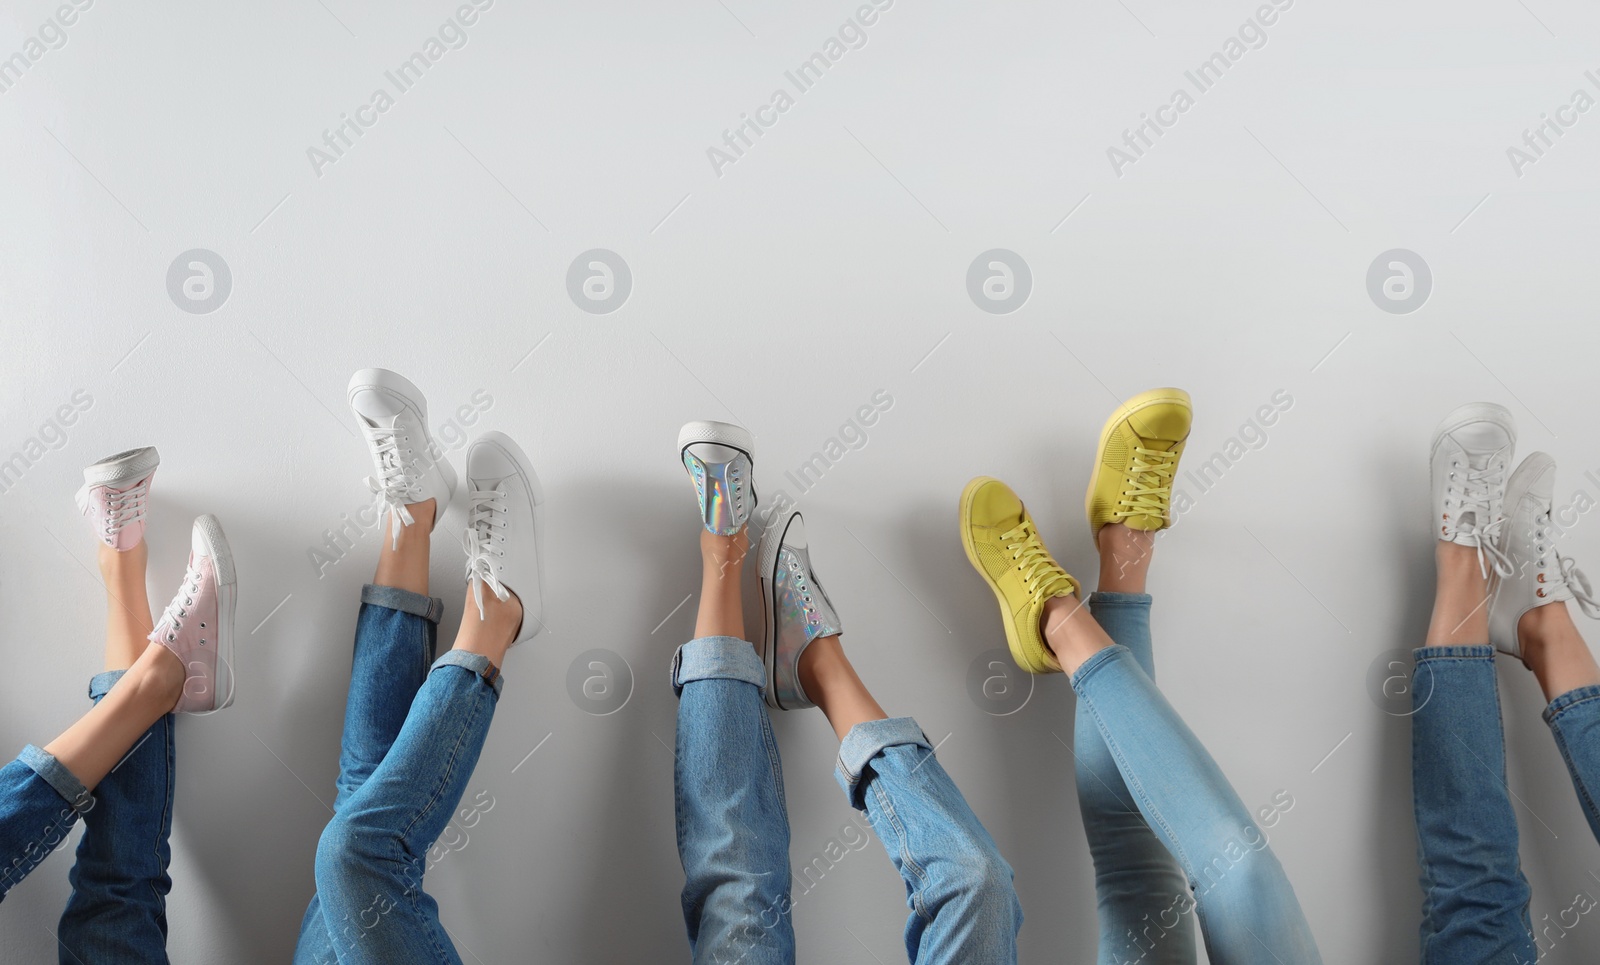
{"points": [[865, 742], [1100, 659], [100, 684], [1468, 652], [57, 776], [430, 608], [475, 662], [1101, 598], [1568, 700], [717, 658]]}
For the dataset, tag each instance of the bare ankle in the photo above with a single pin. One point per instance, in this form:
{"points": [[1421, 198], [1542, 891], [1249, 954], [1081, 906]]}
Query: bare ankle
{"points": [[1124, 558], [157, 678], [724, 555], [1070, 631]]}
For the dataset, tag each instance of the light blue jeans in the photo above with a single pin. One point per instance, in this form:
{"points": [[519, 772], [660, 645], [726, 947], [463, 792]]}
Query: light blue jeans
{"points": [[733, 829], [1475, 898], [1134, 749], [117, 911], [412, 735]]}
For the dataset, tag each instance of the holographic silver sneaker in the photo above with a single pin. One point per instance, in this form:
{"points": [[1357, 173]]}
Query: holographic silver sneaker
{"points": [[796, 610], [717, 456]]}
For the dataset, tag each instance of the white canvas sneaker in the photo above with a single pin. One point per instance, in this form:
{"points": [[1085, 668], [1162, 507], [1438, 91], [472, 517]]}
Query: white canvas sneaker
{"points": [[505, 528], [718, 458], [795, 608], [409, 467], [1471, 455], [1539, 575]]}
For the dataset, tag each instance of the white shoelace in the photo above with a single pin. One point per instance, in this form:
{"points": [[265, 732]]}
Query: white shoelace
{"points": [[125, 508], [173, 616], [394, 489], [485, 513], [1475, 499], [1577, 583]]}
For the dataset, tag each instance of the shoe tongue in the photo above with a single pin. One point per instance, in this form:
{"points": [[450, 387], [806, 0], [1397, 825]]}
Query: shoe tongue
{"points": [[377, 408], [1160, 427]]}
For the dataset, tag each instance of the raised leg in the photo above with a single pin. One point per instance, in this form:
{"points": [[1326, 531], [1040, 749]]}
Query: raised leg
{"points": [[396, 634], [963, 904], [373, 854], [1142, 895], [117, 910], [1247, 908], [733, 828]]}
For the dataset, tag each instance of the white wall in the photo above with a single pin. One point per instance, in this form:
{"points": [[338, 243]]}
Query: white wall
{"points": [[824, 265]]}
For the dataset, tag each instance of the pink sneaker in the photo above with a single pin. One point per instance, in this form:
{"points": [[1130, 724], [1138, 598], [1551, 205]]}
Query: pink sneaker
{"points": [[113, 496], [198, 624]]}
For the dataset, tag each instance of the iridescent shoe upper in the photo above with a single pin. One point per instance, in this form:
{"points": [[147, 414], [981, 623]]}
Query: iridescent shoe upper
{"points": [[797, 608], [717, 456]]}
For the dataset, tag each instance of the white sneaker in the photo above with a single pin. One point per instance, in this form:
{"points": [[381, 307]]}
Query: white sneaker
{"points": [[1472, 451], [795, 607], [1539, 575], [505, 528], [718, 458], [410, 467]]}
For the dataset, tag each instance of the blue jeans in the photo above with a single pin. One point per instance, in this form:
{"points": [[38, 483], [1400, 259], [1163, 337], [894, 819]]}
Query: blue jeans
{"points": [[733, 829], [1246, 907], [117, 910], [1142, 893], [1475, 898], [412, 735]]}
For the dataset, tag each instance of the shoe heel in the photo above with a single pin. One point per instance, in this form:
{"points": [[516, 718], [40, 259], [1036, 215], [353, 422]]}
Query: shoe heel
{"points": [[221, 552]]}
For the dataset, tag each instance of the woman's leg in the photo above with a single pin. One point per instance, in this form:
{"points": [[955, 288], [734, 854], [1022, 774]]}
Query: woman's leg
{"points": [[374, 853], [733, 828], [396, 633], [1529, 617], [397, 627], [1475, 898], [43, 791], [1247, 908], [1143, 896], [117, 911], [1248, 912], [959, 889], [1566, 669], [963, 905]]}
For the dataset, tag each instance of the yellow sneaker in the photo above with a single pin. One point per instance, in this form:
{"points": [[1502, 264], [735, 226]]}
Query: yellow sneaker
{"points": [[1004, 547], [1139, 450]]}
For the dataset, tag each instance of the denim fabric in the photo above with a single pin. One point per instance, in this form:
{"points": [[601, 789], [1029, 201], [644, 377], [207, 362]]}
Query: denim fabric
{"points": [[412, 735], [733, 830], [964, 908], [117, 911], [1574, 719], [1142, 894], [40, 801], [1247, 909], [1474, 896]]}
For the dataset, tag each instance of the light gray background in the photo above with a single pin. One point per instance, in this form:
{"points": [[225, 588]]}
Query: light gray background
{"points": [[827, 264]]}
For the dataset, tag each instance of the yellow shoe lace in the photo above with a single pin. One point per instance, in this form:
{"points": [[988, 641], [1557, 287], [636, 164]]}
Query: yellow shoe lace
{"points": [[1042, 576], [1149, 487]]}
